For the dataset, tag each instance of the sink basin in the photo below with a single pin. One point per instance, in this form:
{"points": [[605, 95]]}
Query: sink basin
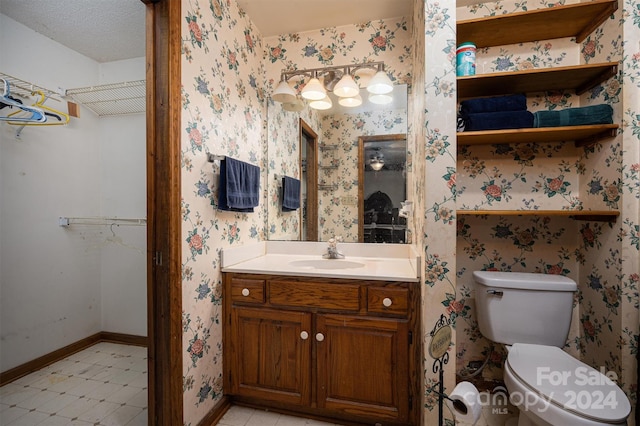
{"points": [[326, 264]]}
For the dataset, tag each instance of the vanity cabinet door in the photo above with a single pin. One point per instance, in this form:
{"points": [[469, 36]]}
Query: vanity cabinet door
{"points": [[362, 366], [271, 355]]}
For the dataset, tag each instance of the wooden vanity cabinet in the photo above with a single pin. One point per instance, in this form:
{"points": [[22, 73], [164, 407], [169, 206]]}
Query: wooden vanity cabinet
{"points": [[336, 349], [362, 366], [271, 361]]}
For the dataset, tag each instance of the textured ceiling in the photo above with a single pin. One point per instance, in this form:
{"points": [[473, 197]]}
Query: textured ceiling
{"points": [[111, 30], [104, 30]]}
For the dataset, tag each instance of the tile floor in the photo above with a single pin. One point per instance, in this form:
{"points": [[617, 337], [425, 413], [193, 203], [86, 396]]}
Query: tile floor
{"points": [[105, 384], [243, 416]]}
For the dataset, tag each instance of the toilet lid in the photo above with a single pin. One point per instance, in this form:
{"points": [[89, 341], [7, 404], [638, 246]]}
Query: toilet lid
{"points": [[569, 383]]}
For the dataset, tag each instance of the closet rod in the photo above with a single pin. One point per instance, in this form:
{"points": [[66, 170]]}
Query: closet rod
{"points": [[101, 220]]}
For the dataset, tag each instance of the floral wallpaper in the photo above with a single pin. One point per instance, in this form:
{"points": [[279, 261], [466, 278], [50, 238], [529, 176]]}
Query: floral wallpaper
{"points": [[283, 153], [228, 70], [601, 257], [439, 188], [223, 112], [384, 40]]}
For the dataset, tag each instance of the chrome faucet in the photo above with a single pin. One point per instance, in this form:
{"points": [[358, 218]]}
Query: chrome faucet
{"points": [[332, 249]]}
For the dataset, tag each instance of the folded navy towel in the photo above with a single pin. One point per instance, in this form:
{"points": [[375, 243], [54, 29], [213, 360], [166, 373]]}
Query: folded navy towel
{"points": [[498, 120], [580, 116], [290, 194], [516, 102], [239, 188]]}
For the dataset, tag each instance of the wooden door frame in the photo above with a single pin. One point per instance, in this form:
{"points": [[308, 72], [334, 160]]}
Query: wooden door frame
{"points": [[361, 166], [312, 181], [164, 264]]}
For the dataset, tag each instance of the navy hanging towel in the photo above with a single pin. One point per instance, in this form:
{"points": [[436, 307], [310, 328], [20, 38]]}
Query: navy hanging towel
{"points": [[239, 188], [290, 194]]}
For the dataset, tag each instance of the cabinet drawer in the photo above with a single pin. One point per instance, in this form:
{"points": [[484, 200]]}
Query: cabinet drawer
{"points": [[388, 300], [342, 297], [247, 290]]}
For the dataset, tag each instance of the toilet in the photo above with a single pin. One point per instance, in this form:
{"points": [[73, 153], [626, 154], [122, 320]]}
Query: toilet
{"points": [[531, 314]]}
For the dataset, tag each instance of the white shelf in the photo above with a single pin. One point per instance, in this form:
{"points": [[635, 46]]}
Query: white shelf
{"points": [[128, 97]]}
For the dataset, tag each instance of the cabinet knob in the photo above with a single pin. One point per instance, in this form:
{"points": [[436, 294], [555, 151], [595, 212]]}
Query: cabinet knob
{"points": [[245, 292], [304, 335], [387, 302], [319, 337]]}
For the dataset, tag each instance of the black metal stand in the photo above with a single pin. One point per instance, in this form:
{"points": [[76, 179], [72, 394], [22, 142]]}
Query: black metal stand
{"points": [[438, 367]]}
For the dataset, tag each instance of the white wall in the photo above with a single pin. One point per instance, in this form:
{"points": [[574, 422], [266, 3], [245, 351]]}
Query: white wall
{"points": [[123, 182], [53, 288], [123, 188]]}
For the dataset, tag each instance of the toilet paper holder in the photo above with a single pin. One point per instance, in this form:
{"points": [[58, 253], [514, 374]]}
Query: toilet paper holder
{"points": [[457, 404], [439, 350]]}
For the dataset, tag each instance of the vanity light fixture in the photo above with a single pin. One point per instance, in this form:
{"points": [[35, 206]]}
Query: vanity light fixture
{"points": [[346, 87], [377, 161], [340, 80], [295, 106], [321, 104], [284, 92], [380, 99], [314, 90], [351, 102], [380, 84]]}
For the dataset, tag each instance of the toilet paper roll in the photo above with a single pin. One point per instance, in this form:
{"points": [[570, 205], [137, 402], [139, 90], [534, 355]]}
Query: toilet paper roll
{"points": [[465, 403]]}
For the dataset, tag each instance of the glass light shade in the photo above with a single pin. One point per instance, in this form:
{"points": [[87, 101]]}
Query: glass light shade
{"points": [[351, 102], [296, 106], [321, 104], [346, 87], [380, 99], [284, 93], [314, 90], [376, 164], [380, 84]]}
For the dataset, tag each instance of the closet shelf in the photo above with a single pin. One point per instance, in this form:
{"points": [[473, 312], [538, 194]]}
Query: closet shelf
{"points": [[580, 135], [24, 89], [574, 20], [574, 77], [128, 97], [592, 215]]}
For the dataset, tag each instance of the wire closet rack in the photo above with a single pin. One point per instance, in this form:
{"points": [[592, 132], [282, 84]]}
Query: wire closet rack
{"points": [[128, 97], [24, 89]]}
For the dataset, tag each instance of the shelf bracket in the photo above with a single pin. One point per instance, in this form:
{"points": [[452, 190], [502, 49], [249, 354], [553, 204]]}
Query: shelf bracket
{"points": [[596, 218], [606, 75], [611, 133], [595, 23]]}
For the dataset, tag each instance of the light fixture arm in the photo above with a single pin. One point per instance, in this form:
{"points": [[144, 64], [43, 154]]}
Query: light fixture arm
{"points": [[340, 80], [345, 69]]}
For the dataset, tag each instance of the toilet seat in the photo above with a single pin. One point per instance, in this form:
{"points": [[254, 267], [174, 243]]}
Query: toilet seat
{"points": [[567, 383]]}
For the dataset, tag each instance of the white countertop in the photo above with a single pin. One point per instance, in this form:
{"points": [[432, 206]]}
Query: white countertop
{"points": [[387, 262]]}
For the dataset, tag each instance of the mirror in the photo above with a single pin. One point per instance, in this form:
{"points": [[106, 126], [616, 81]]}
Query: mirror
{"points": [[382, 183], [342, 153]]}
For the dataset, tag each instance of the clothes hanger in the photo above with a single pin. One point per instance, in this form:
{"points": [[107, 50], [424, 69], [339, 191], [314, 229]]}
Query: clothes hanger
{"points": [[3, 105], [37, 114], [40, 104]]}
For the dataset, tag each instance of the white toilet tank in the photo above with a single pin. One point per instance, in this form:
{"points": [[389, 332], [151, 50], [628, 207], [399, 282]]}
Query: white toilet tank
{"points": [[519, 307]]}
